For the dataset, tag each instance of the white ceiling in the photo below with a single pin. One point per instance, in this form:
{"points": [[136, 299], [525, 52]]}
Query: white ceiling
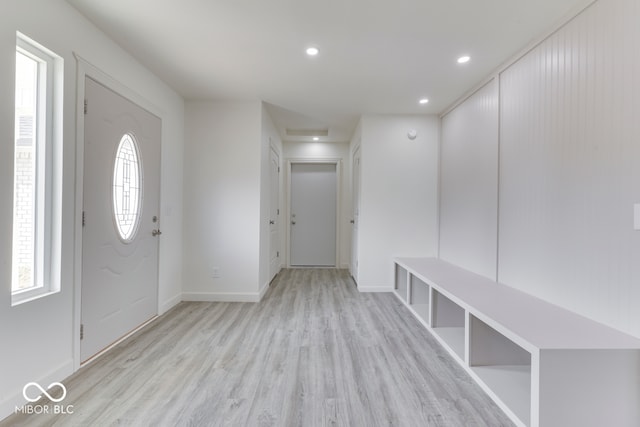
{"points": [[376, 56]]}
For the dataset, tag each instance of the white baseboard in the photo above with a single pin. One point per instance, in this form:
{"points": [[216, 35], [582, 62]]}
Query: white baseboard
{"points": [[375, 288], [16, 400], [169, 304], [115, 343], [263, 290], [221, 296]]}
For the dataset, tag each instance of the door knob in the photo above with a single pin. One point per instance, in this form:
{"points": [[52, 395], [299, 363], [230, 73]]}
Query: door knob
{"points": [[293, 223], [155, 233], [353, 221]]}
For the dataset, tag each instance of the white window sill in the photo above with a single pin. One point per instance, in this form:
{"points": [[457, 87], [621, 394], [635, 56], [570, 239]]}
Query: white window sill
{"points": [[22, 297]]}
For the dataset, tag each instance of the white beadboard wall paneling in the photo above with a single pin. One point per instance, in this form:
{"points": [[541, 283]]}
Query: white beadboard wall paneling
{"points": [[469, 183], [570, 167], [576, 10]]}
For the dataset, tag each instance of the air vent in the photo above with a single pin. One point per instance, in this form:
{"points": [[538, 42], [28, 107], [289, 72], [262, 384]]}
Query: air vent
{"points": [[307, 132]]}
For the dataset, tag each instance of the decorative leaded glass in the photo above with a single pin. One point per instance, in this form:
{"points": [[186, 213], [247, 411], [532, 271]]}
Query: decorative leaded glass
{"points": [[127, 189]]}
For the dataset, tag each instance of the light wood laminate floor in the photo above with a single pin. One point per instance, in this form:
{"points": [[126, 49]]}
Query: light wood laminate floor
{"points": [[314, 352]]}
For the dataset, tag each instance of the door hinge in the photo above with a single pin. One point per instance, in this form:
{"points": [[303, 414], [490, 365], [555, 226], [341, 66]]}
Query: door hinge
{"points": [[278, 254], [86, 106], [84, 219], [278, 169], [81, 331], [277, 211]]}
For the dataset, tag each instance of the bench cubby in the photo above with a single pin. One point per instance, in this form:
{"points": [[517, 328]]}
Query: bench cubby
{"points": [[448, 323], [419, 297], [401, 283], [542, 364], [502, 365]]}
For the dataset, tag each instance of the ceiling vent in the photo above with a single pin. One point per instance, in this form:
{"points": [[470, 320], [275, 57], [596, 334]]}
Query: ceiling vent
{"points": [[307, 132]]}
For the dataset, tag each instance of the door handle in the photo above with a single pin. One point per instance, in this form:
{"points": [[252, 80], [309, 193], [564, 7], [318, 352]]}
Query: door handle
{"points": [[272, 222], [353, 221], [155, 233], [293, 223]]}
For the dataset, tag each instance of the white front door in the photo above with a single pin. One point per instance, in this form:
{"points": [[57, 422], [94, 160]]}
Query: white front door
{"points": [[120, 218], [313, 214], [274, 215], [355, 194]]}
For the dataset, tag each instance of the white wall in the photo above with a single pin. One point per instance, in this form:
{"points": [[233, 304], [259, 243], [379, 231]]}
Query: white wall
{"points": [[38, 336], [399, 195], [569, 174], [321, 150], [222, 185], [469, 183]]}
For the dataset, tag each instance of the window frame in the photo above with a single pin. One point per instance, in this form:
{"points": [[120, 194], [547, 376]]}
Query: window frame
{"points": [[47, 173]]}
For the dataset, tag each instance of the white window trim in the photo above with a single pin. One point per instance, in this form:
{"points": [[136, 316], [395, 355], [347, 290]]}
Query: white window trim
{"points": [[48, 201]]}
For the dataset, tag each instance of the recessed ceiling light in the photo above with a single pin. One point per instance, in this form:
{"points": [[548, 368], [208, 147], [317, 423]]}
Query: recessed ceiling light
{"points": [[423, 101], [463, 59], [312, 51], [315, 138]]}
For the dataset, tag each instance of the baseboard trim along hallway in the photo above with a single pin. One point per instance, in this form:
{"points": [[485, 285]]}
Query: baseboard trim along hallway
{"points": [[221, 296]]}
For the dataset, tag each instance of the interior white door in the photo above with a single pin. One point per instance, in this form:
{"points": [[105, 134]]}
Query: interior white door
{"points": [[355, 194], [313, 214], [120, 218], [274, 215]]}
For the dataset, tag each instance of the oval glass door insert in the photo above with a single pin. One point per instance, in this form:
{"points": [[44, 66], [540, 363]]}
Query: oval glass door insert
{"points": [[127, 188]]}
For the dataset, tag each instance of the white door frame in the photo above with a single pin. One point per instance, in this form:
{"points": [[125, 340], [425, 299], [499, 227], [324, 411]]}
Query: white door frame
{"points": [[86, 69], [331, 161], [355, 219], [272, 147]]}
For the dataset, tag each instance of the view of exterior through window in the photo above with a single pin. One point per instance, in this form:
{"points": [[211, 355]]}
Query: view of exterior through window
{"points": [[24, 217], [37, 175]]}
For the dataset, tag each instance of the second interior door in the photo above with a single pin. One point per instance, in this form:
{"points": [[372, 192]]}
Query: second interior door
{"points": [[313, 214]]}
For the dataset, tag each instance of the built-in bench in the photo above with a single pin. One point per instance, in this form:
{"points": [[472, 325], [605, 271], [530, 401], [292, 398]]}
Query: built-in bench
{"points": [[542, 364]]}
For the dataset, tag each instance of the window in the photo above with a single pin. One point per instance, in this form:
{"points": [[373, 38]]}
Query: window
{"points": [[126, 188], [37, 177]]}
